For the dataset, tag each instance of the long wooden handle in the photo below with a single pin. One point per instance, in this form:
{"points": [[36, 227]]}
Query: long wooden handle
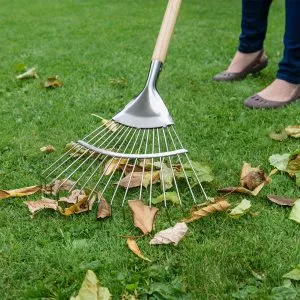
{"points": [[166, 30]]}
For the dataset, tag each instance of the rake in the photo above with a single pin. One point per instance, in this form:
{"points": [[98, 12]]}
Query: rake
{"points": [[140, 140]]}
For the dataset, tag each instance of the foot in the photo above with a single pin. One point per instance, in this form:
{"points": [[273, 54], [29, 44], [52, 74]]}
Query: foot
{"points": [[242, 65], [241, 60], [279, 93], [279, 90]]}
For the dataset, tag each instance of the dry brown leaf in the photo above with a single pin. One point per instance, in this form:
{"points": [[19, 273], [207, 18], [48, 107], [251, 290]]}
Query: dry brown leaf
{"points": [[129, 167], [293, 130], [221, 205], [76, 196], [93, 198], [252, 181], [171, 235], [53, 82], [59, 185], [143, 215], [132, 245], [104, 209], [30, 73], [35, 206], [47, 149], [26, 191], [113, 164], [134, 179], [77, 208], [281, 200]]}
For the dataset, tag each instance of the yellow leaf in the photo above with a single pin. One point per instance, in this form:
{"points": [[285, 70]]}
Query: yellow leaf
{"points": [[79, 207], [135, 249], [113, 164], [19, 192]]}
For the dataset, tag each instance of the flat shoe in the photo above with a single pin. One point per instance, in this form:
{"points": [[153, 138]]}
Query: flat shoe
{"points": [[260, 62], [257, 101]]}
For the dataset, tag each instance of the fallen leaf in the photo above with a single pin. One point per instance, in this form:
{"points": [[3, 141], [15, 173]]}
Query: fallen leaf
{"points": [[109, 124], [76, 150], [93, 198], [166, 177], [76, 196], [295, 213], [171, 235], [279, 161], [143, 215], [135, 249], [47, 149], [104, 209], [252, 181], [19, 192], [221, 205], [30, 73], [135, 179], [77, 208], [59, 185], [169, 196], [129, 167], [113, 164], [293, 131], [278, 136], [203, 172], [35, 206], [294, 274], [281, 200], [53, 82], [91, 289], [240, 209]]}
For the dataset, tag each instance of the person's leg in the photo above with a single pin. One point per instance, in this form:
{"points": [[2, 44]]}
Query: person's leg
{"points": [[288, 75], [253, 32]]}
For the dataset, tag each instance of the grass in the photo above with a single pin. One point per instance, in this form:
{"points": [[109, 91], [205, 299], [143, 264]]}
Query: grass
{"points": [[101, 50]]}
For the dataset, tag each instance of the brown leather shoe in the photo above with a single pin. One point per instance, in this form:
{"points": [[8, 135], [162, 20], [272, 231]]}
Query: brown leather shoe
{"points": [[257, 101], [257, 65]]}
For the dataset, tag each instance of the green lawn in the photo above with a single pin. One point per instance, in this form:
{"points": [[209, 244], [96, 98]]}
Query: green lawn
{"points": [[101, 50]]}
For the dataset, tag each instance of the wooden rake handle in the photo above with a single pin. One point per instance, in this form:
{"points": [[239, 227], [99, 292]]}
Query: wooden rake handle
{"points": [[166, 30]]}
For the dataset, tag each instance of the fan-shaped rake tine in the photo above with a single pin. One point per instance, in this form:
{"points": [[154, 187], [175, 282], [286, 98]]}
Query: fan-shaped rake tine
{"points": [[132, 171], [181, 164], [141, 187], [188, 159], [107, 183], [151, 174], [94, 161], [79, 157], [79, 148], [98, 167], [123, 171], [173, 173], [161, 170]]}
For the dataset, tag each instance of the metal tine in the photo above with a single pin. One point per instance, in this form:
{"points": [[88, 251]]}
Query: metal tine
{"points": [[141, 187], [105, 167], [71, 149], [118, 184], [151, 174], [79, 149], [173, 173], [96, 185], [161, 170], [188, 159], [187, 180], [135, 161], [79, 157], [116, 143]]}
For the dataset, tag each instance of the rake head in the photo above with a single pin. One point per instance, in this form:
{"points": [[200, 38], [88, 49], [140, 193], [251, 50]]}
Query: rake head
{"points": [[150, 163]]}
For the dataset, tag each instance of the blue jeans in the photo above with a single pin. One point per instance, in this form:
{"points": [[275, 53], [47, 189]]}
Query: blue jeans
{"points": [[254, 27]]}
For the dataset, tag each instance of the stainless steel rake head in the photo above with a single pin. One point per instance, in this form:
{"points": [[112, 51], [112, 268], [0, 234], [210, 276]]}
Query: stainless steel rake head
{"points": [[139, 143]]}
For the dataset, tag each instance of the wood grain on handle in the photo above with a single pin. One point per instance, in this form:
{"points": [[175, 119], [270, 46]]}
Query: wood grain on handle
{"points": [[166, 30]]}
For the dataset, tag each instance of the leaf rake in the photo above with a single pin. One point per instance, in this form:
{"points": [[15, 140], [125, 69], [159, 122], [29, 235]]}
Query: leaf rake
{"points": [[141, 141]]}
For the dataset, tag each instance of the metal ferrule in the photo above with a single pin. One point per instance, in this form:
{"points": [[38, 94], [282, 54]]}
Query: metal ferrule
{"points": [[147, 110]]}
